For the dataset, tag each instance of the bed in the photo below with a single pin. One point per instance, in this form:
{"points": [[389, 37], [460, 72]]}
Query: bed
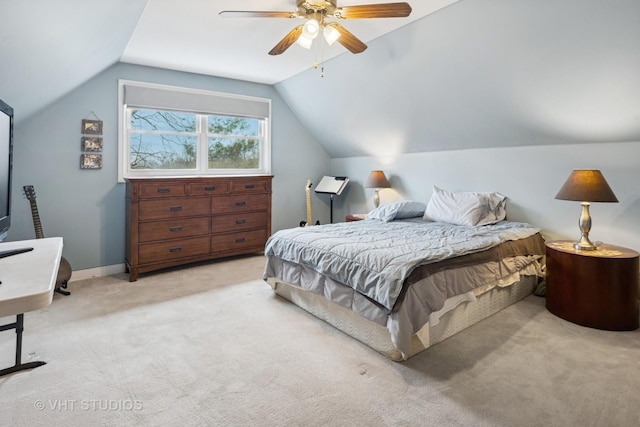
{"points": [[407, 277]]}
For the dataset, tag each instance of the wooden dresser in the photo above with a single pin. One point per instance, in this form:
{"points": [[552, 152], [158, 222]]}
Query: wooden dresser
{"points": [[174, 221]]}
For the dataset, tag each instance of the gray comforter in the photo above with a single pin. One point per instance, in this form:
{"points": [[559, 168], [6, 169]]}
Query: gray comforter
{"points": [[374, 257]]}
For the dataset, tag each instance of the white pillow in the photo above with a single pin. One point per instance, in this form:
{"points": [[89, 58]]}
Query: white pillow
{"points": [[465, 208], [397, 210]]}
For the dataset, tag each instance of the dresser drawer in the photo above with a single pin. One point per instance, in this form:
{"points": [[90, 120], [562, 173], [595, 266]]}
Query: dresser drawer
{"points": [[173, 229], [237, 241], [155, 189], [208, 188], [247, 186], [237, 222], [165, 251], [240, 203], [174, 208]]}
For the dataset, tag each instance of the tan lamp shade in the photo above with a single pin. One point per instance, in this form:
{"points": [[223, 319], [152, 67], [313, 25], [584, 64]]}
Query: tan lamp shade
{"points": [[586, 185], [377, 179]]}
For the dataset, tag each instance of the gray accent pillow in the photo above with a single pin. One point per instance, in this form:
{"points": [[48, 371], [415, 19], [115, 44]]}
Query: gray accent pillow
{"points": [[398, 210]]}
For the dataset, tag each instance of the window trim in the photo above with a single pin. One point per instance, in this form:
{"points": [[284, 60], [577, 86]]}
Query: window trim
{"points": [[124, 170]]}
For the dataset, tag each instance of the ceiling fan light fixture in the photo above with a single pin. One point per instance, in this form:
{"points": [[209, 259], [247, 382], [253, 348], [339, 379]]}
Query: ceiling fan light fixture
{"points": [[315, 12], [330, 34], [311, 29], [305, 42]]}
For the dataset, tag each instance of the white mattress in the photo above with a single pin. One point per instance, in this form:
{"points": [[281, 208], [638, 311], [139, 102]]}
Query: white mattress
{"points": [[416, 318]]}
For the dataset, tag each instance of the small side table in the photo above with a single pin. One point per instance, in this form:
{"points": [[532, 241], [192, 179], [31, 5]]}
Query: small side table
{"points": [[355, 217], [598, 289], [28, 282]]}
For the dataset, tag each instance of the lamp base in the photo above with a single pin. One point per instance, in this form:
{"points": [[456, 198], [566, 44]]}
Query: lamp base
{"points": [[584, 244], [580, 247]]}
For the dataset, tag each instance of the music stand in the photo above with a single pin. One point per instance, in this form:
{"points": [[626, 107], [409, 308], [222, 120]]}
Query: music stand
{"points": [[332, 185]]}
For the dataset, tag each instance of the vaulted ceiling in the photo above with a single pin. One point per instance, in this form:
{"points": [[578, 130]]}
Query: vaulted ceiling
{"points": [[454, 75], [48, 48], [481, 74]]}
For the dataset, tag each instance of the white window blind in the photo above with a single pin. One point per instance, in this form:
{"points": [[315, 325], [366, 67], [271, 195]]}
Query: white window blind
{"points": [[181, 99]]}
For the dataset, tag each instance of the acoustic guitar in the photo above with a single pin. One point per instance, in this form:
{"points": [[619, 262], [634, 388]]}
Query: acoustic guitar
{"points": [[64, 270], [309, 220]]}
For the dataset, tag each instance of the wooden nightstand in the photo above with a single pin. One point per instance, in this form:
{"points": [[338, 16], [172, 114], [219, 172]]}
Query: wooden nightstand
{"points": [[355, 217], [598, 289]]}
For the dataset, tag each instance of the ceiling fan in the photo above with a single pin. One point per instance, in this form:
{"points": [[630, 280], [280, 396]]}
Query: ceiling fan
{"points": [[316, 13]]}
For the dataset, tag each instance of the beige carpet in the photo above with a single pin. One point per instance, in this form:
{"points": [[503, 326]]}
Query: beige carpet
{"points": [[211, 345]]}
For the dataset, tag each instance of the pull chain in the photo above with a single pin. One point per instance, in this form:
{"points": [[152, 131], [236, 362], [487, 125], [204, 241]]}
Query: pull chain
{"points": [[315, 62], [322, 58]]}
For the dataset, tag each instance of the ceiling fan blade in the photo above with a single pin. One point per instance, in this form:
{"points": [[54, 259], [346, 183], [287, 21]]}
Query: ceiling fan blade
{"points": [[348, 40], [256, 14], [287, 41], [382, 10]]}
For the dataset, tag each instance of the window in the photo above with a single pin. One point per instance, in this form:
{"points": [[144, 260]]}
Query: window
{"points": [[170, 131]]}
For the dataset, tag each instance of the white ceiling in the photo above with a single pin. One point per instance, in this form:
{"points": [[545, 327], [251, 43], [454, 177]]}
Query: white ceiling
{"points": [[189, 35], [48, 48]]}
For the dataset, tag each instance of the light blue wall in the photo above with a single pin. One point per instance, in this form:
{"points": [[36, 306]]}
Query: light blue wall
{"points": [[86, 207], [529, 176]]}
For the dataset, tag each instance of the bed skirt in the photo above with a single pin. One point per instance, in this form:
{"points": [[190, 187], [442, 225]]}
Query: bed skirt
{"points": [[377, 336]]}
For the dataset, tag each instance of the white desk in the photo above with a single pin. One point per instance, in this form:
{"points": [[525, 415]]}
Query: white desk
{"points": [[28, 282]]}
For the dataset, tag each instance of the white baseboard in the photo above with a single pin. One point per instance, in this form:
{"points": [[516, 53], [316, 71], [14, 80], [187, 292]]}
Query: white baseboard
{"points": [[88, 273]]}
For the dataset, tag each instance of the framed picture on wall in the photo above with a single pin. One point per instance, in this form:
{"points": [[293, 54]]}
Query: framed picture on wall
{"points": [[91, 161], [91, 127], [90, 143]]}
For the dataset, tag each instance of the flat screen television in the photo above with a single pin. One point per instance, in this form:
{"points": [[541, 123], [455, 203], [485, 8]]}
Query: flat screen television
{"points": [[6, 166]]}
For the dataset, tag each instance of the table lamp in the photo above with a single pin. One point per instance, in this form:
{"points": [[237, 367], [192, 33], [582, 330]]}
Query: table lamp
{"points": [[377, 180], [586, 186]]}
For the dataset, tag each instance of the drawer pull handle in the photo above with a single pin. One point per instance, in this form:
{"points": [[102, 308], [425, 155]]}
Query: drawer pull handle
{"points": [[173, 250], [173, 229], [241, 221], [175, 208], [210, 188], [241, 203], [250, 186], [240, 240], [164, 190]]}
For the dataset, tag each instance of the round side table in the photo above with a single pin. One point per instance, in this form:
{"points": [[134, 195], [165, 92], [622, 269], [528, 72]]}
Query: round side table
{"points": [[598, 289]]}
